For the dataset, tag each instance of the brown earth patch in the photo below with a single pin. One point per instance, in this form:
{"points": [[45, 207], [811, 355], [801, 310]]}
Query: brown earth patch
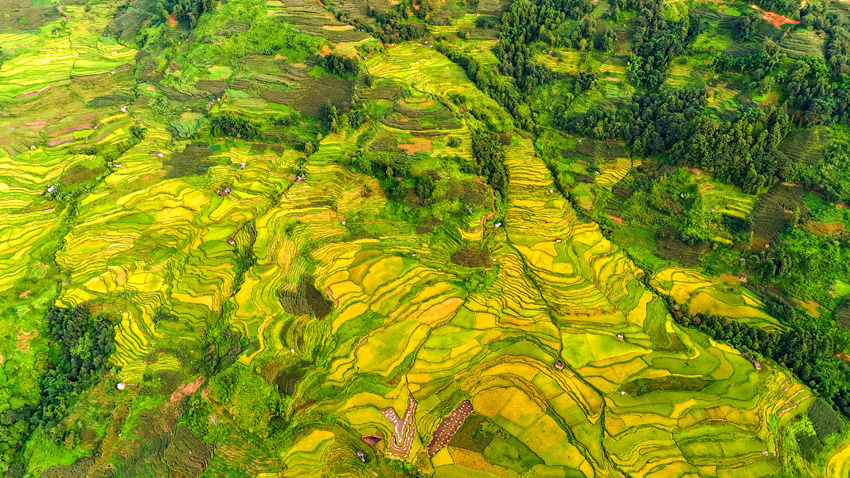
{"points": [[313, 94], [24, 338], [449, 426], [417, 144], [774, 18], [186, 389], [58, 141], [215, 87], [71, 129]]}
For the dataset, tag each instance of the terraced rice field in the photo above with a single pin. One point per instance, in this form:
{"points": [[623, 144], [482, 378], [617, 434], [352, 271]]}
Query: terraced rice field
{"points": [[280, 299], [702, 294], [612, 173]]}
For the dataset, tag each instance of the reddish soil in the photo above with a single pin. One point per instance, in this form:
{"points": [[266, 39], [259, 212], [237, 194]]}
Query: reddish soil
{"points": [[58, 141], [24, 339], [417, 144], [616, 219], [172, 21], [32, 93], [74, 128], [694, 170], [774, 18], [186, 390], [331, 295]]}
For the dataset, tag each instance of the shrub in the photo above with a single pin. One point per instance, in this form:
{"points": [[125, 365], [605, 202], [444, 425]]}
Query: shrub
{"points": [[341, 65], [471, 256], [424, 187], [809, 446], [306, 299], [229, 124], [825, 419]]}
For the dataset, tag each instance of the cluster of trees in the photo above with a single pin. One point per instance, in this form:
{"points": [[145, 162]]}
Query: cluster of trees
{"points": [[341, 65], [809, 354], [742, 150], [804, 261], [834, 172], [394, 25], [761, 62], [221, 348], [746, 25], [228, 124], [503, 92], [394, 174], [187, 12], [19, 398], [651, 123], [79, 354], [820, 88], [489, 154], [245, 258], [657, 41]]}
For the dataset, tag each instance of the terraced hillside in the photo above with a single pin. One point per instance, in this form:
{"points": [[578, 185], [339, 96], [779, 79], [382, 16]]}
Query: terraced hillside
{"points": [[249, 238]]}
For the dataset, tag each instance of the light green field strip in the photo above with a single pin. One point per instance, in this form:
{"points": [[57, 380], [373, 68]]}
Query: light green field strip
{"points": [[725, 198], [465, 22], [612, 173]]}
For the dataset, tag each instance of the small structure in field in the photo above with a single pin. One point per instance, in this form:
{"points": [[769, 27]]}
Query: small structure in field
{"points": [[620, 337], [559, 365]]}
